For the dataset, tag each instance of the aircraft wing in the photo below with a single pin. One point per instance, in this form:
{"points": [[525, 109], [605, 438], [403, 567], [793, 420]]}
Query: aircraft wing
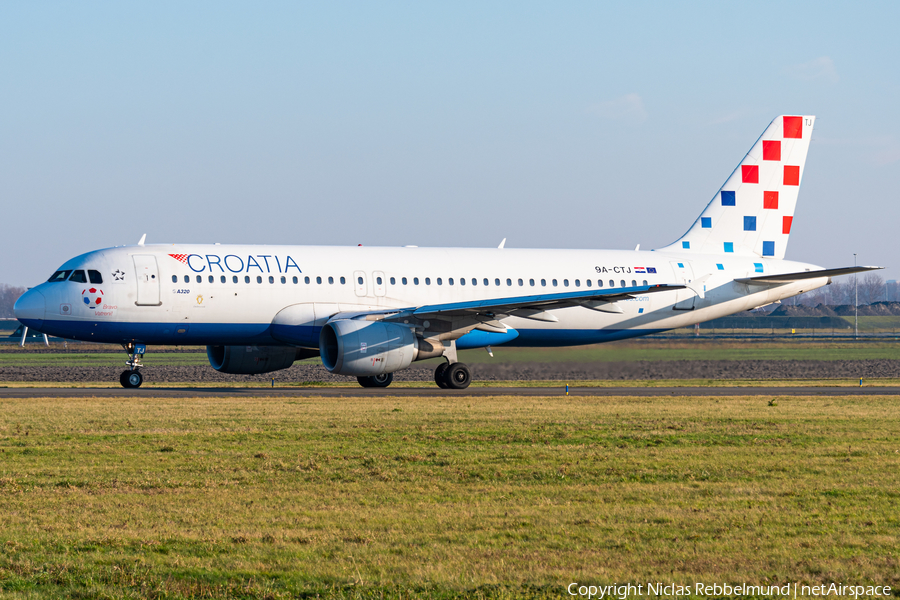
{"points": [[788, 277], [493, 307]]}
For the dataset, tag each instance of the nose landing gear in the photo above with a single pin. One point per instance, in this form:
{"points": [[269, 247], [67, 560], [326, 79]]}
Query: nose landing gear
{"points": [[131, 377]]}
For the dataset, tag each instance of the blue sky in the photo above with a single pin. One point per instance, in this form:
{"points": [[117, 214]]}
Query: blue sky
{"points": [[582, 125]]}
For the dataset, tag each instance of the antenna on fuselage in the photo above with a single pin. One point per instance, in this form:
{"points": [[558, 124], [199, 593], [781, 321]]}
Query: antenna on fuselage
{"points": [[143, 239]]}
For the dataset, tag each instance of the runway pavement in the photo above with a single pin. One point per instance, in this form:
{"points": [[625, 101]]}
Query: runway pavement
{"points": [[435, 392]]}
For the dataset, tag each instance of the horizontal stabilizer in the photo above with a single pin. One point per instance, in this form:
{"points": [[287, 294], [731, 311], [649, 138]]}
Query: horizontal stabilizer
{"points": [[803, 275]]}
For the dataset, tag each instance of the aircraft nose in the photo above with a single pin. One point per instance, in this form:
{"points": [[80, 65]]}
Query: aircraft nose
{"points": [[30, 307]]}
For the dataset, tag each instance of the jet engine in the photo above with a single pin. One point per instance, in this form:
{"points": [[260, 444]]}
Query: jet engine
{"points": [[366, 348], [252, 360]]}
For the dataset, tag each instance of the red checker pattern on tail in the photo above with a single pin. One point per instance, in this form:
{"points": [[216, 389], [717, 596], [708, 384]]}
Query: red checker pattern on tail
{"points": [[771, 150], [786, 225], [182, 258], [793, 127], [770, 200], [791, 175], [749, 174]]}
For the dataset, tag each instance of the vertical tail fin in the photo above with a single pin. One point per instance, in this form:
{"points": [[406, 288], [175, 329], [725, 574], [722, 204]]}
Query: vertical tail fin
{"points": [[753, 212]]}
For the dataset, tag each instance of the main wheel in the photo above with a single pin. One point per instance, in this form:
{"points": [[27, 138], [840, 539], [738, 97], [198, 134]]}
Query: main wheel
{"points": [[364, 381], [458, 376], [440, 375], [382, 380], [131, 379]]}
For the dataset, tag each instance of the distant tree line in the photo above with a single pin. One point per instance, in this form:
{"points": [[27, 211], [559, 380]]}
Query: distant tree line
{"points": [[872, 289], [8, 296]]}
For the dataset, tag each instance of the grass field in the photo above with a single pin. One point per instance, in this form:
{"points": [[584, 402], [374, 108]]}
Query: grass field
{"points": [[398, 498], [652, 350]]}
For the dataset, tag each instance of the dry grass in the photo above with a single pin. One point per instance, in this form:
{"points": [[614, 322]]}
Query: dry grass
{"points": [[271, 498]]}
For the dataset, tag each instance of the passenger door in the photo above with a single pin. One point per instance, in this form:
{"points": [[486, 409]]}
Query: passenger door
{"points": [[684, 299], [147, 277]]}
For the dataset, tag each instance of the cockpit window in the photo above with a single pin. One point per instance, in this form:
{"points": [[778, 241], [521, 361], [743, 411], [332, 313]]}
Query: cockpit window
{"points": [[59, 276], [78, 277], [95, 276]]}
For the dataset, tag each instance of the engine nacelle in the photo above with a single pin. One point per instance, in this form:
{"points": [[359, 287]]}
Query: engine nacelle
{"points": [[252, 360], [366, 348]]}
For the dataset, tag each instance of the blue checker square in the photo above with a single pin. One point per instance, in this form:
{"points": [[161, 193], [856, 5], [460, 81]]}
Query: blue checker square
{"points": [[758, 267], [729, 246], [749, 223], [720, 266], [727, 198], [706, 222], [768, 248], [640, 311], [686, 245]]}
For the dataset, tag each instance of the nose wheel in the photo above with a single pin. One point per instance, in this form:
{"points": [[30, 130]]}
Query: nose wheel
{"points": [[131, 379]]}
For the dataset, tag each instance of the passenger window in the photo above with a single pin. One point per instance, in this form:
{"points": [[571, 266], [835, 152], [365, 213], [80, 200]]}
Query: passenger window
{"points": [[234, 279], [78, 277], [187, 279], [622, 283], [95, 276], [378, 280], [222, 279], [212, 279], [439, 282], [587, 282], [521, 283], [58, 276], [577, 283], [633, 283], [531, 282], [486, 281], [306, 279], [403, 280], [295, 280], [330, 280], [565, 283], [612, 283], [319, 280], [199, 279], [271, 279], [415, 281], [174, 278], [246, 279], [343, 280], [555, 283], [451, 281], [393, 281], [428, 281], [359, 280], [599, 283], [497, 282], [283, 279], [543, 283], [462, 281], [258, 279], [508, 282], [645, 282], [474, 281]]}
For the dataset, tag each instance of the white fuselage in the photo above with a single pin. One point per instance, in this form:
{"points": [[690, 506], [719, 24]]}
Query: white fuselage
{"points": [[217, 294]]}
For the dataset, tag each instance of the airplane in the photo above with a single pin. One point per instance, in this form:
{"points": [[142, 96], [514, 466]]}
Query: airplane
{"points": [[369, 312]]}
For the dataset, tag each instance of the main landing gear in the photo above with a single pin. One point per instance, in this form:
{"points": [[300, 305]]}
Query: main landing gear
{"points": [[454, 376], [382, 380], [131, 377]]}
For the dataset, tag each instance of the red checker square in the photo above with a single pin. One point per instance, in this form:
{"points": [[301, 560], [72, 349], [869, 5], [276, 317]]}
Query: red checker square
{"points": [[770, 200], [791, 175], [793, 127], [772, 150], [749, 174], [786, 225]]}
